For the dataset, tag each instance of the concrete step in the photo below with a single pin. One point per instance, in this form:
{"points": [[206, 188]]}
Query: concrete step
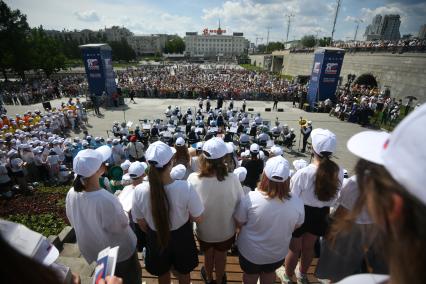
{"points": [[86, 280], [70, 250], [77, 265]]}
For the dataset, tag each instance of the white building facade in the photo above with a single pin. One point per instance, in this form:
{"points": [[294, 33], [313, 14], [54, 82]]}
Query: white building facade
{"points": [[216, 45]]}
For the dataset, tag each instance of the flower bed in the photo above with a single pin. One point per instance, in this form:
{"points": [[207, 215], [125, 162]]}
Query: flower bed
{"points": [[44, 211]]}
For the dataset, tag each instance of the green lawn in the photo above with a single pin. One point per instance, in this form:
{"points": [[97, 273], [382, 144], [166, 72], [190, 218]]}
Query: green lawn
{"points": [[251, 67]]}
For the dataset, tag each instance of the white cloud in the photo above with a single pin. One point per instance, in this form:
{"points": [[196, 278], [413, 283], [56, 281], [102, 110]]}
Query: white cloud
{"points": [[87, 16]]}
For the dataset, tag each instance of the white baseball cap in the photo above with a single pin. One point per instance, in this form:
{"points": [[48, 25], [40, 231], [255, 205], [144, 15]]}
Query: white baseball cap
{"points": [[254, 148], [241, 173], [178, 172], [214, 148], [87, 162], [401, 152], [180, 141], [276, 150], [323, 140], [159, 154], [299, 164], [230, 147], [277, 169], [105, 151], [125, 165], [137, 169], [28, 242], [199, 146]]}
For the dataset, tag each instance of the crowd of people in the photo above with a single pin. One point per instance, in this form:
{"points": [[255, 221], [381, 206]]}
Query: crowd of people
{"points": [[393, 46], [221, 178], [366, 106], [42, 89], [192, 81]]}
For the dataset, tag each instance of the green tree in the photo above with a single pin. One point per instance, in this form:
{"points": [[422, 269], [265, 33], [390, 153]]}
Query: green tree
{"points": [[14, 45], [308, 41], [121, 50], [174, 44], [272, 46], [325, 41], [46, 52]]}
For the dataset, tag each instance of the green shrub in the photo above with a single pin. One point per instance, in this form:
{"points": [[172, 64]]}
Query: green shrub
{"points": [[45, 224]]}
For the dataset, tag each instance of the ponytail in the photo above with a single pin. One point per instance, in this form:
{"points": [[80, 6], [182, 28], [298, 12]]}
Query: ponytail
{"points": [[78, 183], [327, 178], [160, 206]]}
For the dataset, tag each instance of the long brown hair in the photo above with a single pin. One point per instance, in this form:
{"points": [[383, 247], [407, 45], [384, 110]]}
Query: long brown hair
{"points": [[327, 177], [404, 242], [160, 206], [182, 155], [273, 189], [211, 167]]}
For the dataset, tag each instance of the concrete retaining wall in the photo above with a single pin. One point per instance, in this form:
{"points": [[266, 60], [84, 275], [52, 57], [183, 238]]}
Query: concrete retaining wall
{"points": [[405, 74]]}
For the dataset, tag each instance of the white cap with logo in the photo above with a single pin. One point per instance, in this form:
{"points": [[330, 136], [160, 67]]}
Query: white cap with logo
{"points": [[401, 152], [125, 165], [276, 150], [159, 154], [300, 164], [323, 140], [277, 169]]}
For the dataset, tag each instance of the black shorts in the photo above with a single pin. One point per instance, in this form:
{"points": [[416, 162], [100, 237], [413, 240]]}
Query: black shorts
{"points": [[181, 252], [316, 221], [251, 268]]}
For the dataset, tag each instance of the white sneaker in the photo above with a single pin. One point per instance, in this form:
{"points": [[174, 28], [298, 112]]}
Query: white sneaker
{"points": [[302, 278], [280, 272]]}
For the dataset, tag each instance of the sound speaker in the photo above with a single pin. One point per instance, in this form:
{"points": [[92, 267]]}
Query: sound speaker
{"points": [[268, 109], [280, 110], [250, 109]]}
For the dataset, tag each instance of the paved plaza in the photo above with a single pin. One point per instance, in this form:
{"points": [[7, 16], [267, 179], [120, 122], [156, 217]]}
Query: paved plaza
{"points": [[154, 108]]}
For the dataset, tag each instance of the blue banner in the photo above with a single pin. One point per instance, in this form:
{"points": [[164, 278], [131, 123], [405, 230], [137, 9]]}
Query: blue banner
{"points": [[99, 71], [325, 75]]}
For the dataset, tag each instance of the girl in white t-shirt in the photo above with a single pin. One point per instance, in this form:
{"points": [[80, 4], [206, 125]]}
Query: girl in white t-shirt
{"points": [[220, 193], [267, 216], [317, 185], [164, 209], [98, 217]]}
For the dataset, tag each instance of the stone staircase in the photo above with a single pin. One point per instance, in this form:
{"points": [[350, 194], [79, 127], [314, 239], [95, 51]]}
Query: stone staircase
{"points": [[70, 256]]}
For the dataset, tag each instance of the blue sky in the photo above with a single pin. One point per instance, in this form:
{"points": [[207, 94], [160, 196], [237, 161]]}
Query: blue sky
{"points": [[252, 17]]}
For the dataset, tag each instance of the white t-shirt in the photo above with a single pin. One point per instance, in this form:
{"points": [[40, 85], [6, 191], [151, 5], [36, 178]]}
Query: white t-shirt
{"points": [[183, 201], [126, 197], [365, 279], [220, 199], [302, 184], [268, 224], [347, 198], [195, 165], [99, 221]]}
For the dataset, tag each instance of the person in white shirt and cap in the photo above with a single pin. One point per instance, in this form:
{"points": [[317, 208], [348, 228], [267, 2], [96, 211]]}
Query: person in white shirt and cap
{"points": [[241, 173], [391, 176], [164, 209], [317, 185], [136, 173], [214, 184], [195, 165], [267, 217], [254, 167], [98, 217]]}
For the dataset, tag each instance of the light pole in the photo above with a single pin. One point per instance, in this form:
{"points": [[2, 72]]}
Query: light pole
{"points": [[357, 21], [335, 20]]}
